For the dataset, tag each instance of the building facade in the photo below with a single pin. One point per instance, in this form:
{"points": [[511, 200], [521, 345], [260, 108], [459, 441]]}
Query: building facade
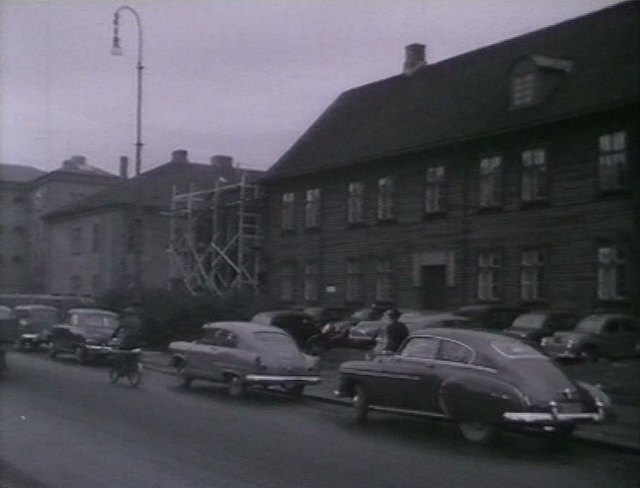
{"points": [[504, 175]]}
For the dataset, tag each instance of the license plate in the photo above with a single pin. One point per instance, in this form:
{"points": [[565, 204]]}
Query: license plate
{"points": [[569, 408]]}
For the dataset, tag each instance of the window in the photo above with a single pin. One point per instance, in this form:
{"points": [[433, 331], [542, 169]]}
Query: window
{"points": [[383, 279], [612, 163], [75, 283], [490, 181], [489, 268], [354, 281], [76, 240], [312, 208], [355, 202], [287, 276], [532, 275], [611, 273], [95, 284], [523, 87], [454, 352], [312, 282], [95, 245], [385, 198], [534, 175], [288, 204], [421, 347], [435, 190]]}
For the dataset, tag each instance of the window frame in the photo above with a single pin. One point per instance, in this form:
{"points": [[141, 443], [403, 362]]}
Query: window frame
{"points": [[354, 280], [533, 274], [611, 272], [490, 192], [615, 159], [384, 274], [287, 211], [386, 198], [312, 281], [355, 202], [490, 275], [534, 181], [435, 189], [312, 209]]}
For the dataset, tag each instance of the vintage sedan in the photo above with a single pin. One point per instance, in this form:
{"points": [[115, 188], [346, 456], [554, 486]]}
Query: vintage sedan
{"points": [[300, 325], [484, 381], [34, 324], [245, 354], [85, 333], [608, 335], [532, 327]]}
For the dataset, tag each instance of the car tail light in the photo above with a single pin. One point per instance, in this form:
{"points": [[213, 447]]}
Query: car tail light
{"points": [[328, 328]]}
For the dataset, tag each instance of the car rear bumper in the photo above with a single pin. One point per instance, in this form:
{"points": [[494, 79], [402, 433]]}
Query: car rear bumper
{"points": [[264, 379], [98, 350]]}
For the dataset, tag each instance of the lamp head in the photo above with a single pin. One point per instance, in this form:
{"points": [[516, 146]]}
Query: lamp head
{"points": [[116, 50]]}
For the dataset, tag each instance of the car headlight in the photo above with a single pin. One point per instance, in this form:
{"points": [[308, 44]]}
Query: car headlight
{"points": [[545, 341]]}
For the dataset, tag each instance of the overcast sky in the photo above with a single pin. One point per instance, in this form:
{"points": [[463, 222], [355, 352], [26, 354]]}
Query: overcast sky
{"points": [[238, 77]]}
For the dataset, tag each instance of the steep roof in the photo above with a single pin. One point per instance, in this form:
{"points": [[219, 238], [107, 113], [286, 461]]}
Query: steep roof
{"points": [[155, 188], [467, 96], [15, 173]]}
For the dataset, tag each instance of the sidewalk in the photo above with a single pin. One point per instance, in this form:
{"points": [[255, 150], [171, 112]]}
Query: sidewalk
{"points": [[622, 434]]}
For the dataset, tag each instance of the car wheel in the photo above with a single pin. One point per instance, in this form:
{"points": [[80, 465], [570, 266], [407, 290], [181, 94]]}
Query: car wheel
{"points": [[478, 432], [237, 387], [294, 390], [80, 354], [361, 404]]}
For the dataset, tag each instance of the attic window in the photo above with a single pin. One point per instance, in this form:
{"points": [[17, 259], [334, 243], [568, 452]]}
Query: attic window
{"points": [[534, 77]]}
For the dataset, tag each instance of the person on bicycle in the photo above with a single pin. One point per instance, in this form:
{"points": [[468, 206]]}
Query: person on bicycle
{"points": [[128, 334]]}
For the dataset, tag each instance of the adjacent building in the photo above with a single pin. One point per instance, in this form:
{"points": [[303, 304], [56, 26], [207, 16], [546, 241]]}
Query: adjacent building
{"points": [[504, 175]]}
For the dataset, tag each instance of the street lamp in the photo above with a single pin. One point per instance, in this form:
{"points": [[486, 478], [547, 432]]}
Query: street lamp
{"points": [[137, 228]]}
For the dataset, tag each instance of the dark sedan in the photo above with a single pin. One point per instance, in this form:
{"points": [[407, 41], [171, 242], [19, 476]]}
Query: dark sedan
{"points": [[84, 332], [533, 327], [484, 381], [299, 325], [491, 316]]}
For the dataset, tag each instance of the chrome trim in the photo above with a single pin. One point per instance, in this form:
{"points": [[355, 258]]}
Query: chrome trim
{"points": [[258, 378], [399, 376], [422, 413], [28, 336]]}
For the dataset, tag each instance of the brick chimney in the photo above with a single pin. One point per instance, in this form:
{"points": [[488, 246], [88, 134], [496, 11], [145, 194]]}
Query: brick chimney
{"points": [[414, 58], [75, 162], [124, 167], [179, 156]]}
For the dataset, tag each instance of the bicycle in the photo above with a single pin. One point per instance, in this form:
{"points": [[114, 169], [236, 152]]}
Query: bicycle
{"points": [[126, 363]]}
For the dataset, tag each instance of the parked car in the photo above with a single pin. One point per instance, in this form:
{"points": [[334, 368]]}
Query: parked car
{"points": [[491, 316], [484, 381], [532, 327], [327, 315], [366, 333], [416, 321], [607, 335], [34, 325], [244, 354], [300, 325], [8, 325], [84, 332]]}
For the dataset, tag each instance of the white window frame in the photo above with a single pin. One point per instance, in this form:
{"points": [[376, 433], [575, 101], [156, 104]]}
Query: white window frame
{"points": [[534, 175], [386, 198], [490, 181], [532, 275], [354, 280], [312, 208], [435, 189], [312, 281], [489, 275], [355, 202], [383, 279], [611, 272], [288, 207], [612, 161], [523, 89]]}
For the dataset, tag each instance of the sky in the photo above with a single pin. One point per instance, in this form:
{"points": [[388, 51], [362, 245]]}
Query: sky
{"points": [[243, 78]]}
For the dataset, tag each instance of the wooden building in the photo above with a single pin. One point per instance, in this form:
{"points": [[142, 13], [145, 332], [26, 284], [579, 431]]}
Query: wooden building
{"points": [[507, 174]]}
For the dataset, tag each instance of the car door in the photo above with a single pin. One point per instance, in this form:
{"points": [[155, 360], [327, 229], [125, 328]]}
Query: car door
{"points": [[408, 378], [451, 361]]}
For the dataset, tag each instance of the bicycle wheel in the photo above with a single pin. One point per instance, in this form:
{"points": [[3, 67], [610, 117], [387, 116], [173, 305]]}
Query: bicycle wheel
{"points": [[135, 375]]}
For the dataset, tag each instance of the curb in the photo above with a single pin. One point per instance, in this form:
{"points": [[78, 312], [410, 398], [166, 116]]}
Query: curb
{"points": [[592, 440]]}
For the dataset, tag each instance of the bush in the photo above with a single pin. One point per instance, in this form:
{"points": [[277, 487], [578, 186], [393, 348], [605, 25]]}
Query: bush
{"points": [[169, 315]]}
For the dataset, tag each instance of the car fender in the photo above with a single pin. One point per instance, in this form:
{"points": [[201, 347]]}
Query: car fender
{"points": [[470, 397]]}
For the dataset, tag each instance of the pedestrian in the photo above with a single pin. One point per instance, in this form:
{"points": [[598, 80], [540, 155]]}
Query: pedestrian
{"points": [[397, 331], [128, 337]]}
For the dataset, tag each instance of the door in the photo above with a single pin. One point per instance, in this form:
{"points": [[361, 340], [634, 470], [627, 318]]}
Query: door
{"points": [[433, 279]]}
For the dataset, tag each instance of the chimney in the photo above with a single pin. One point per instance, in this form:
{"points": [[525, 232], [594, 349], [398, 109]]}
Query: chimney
{"points": [[74, 163], [124, 167], [179, 156], [222, 162], [414, 58]]}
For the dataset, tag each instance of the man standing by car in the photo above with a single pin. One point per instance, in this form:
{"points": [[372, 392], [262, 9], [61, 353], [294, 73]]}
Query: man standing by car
{"points": [[397, 332]]}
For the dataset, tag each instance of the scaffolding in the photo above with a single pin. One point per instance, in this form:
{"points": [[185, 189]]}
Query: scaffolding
{"points": [[215, 237]]}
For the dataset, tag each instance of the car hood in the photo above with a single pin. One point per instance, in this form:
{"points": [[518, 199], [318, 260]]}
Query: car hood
{"points": [[522, 333], [564, 337]]}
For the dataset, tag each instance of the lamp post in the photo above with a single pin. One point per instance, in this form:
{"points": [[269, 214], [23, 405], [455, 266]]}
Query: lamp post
{"points": [[137, 227]]}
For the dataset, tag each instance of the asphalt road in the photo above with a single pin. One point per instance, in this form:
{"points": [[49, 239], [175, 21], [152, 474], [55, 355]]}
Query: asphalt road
{"points": [[63, 425]]}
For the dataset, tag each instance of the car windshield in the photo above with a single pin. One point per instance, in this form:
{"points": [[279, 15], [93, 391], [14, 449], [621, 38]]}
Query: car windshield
{"points": [[590, 325], [516, 350], [280, 342], [529, 321], [97, 321]]}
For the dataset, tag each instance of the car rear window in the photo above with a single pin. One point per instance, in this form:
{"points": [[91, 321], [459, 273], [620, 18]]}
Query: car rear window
{"points": [[97, 321], [529, 321], [276, 340], [516, 350]]}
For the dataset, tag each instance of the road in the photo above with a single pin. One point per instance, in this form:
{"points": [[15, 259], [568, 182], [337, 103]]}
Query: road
{"points": [[62, 425]]}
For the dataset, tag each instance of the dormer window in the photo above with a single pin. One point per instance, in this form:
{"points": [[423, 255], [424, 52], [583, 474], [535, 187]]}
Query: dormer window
{"points": [[534, 77]]}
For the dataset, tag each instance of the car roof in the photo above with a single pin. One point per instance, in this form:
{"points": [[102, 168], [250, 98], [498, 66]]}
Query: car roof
{"points": [[471, 336], [606, 316], [35, 307], [243, 327]]}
